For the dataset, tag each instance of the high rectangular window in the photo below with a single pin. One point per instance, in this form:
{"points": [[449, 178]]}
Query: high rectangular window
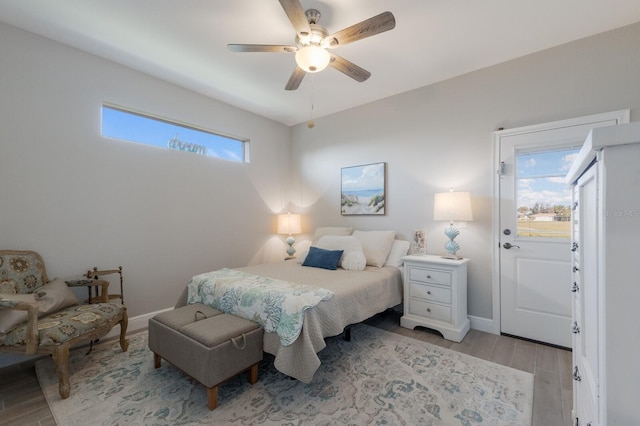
{"points": [[131, 126]]}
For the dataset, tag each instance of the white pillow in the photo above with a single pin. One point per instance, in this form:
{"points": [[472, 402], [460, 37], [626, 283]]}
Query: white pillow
{"points": [[302, 249], [330, 230], [376, 245], [398, 249], [353, 258], [55, 296]]}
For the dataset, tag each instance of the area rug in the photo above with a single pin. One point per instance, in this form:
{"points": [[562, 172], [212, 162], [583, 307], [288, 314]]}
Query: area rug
{"points": [[377, 378]]}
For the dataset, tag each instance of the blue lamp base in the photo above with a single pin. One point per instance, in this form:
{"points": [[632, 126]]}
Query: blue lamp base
{"points": [[290, 250], [451, 246]]}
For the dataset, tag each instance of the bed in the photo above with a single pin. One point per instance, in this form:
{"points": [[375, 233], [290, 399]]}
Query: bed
{"points": [[357, 296]]}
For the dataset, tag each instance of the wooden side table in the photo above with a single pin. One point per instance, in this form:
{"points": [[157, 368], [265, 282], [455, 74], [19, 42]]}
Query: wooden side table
{"points": [[96, 273], [435, 295], [100, 288]]}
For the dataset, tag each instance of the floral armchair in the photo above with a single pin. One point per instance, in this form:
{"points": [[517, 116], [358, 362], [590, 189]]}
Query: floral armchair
{"points": [[38, 316]]}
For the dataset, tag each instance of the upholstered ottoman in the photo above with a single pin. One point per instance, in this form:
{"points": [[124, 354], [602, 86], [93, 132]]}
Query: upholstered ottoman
{"points": [[206, 344]]}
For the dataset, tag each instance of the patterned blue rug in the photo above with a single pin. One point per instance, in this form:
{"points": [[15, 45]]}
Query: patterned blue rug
{"points": [[377, 378]]}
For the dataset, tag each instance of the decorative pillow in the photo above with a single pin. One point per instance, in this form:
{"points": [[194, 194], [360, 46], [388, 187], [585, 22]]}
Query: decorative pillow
{"points": [[54, 296], [302, 248], [320, 258], [376, 245], [330, 230], [301, 256], [398, 249], [10, 319], [353, 258]]}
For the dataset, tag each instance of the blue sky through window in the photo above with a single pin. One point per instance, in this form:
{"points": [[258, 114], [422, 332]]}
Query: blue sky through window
{"points": [[540, 177], [138, 128]]}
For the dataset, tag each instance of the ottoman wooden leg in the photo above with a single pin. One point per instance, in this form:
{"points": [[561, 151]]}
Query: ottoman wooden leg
{"points": [[157, 360], [253, 374], [212, 397]]}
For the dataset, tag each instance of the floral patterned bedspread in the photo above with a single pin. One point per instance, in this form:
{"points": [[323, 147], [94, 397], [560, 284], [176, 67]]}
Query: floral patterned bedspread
{"points": [[278, 306]]}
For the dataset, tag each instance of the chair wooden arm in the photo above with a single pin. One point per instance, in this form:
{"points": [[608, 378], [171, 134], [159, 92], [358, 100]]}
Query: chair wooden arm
{"points": [[32, 324]]}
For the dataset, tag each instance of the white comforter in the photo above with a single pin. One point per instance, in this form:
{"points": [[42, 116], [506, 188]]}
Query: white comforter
{"points": [[358, 295]]}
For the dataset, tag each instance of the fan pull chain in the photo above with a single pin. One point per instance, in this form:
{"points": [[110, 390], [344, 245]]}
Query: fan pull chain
{"points": [[311, 124]]}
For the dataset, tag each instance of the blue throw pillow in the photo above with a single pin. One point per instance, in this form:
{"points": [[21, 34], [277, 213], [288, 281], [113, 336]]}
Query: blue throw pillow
{"points": [[321, 258]]}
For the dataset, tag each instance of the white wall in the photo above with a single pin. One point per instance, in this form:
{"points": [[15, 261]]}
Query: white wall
{"points": [[84, 201], [441, 136], [81, 200]]}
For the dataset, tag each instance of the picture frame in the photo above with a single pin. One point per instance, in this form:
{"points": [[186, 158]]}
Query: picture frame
{"points": [[363, 190]]}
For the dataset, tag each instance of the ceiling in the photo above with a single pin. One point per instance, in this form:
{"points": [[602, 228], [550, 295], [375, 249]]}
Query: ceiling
{"points": [[185, 42]]}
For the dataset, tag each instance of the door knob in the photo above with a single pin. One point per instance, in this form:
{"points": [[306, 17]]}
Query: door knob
{"points": [[509, 245]]}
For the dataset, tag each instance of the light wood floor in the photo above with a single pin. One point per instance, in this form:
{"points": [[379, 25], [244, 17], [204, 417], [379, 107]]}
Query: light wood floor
{"points": [[22, 401]]}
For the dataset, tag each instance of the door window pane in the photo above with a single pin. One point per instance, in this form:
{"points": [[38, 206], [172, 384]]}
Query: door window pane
{"points": [[543, 199]]}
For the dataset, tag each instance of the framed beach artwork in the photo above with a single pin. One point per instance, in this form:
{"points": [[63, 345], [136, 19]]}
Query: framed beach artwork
{"points": [[364, 189]]}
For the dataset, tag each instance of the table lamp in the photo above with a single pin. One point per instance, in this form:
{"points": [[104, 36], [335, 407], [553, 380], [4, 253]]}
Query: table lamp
{"points": [[452, 206], [289, 224]]}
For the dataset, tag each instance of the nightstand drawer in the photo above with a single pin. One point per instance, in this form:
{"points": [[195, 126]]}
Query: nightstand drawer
{"points": [[430, 276], [430, 310], [430, 293]]}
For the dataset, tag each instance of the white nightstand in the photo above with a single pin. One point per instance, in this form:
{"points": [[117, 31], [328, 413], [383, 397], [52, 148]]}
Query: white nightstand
{"points": [[435, 295]]}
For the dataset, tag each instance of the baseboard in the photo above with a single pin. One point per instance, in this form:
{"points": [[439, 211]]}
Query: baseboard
{"points": [[136, 323], [141, 322], [483, 324]]}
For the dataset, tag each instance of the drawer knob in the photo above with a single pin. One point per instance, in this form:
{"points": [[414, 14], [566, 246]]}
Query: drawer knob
{"points": [[429, 276], [576, 269], [574, 246], [574, 287], [428, 309], [428, 291]]}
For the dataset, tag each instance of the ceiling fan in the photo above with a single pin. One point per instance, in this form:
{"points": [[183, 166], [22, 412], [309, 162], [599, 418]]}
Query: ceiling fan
{"points": [[313, 41]]}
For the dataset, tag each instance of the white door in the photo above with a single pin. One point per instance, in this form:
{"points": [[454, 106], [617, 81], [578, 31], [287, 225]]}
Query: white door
{"points": [[534, 226]]}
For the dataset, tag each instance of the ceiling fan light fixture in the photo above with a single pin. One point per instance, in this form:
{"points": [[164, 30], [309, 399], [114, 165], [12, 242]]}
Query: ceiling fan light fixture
{"points": [[312, 58]]}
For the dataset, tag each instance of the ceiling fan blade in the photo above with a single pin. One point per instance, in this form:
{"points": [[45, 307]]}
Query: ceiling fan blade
{"points": [[260, 48], [296, 15], [372, 26], [295, 79], [349, 68]]}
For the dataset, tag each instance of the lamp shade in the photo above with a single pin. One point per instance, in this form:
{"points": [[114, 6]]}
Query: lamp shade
{"points": [[452, 206], [312, 58], [289, 223]]}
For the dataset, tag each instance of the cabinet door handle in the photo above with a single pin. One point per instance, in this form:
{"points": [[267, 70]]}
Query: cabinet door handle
{"points": [[576, 375], [576, 328], [574, 287]]}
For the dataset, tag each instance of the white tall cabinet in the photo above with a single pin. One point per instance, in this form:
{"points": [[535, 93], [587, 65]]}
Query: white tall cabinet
{"points": [[606, 277]]}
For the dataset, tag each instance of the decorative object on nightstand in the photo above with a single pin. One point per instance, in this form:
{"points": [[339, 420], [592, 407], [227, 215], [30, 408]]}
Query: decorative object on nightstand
{"points": [[419, 242], [435, 295], [289, 224], [452, 206]]}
